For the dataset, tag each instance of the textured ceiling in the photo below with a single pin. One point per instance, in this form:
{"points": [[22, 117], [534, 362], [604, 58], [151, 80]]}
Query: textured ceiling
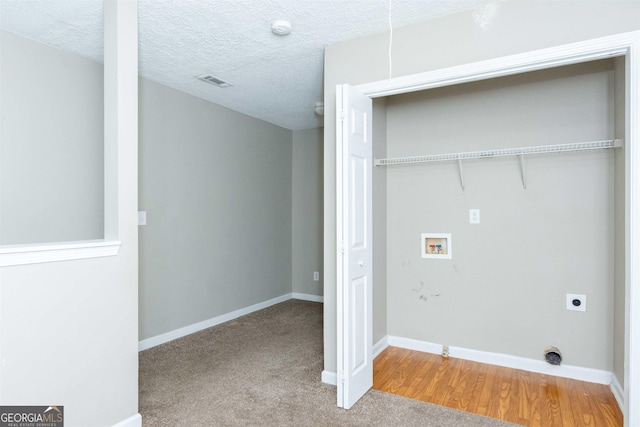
{"points": [[277, 79]]}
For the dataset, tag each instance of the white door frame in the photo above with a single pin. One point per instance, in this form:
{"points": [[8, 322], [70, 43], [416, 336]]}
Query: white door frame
{"points": [[627, 45]]}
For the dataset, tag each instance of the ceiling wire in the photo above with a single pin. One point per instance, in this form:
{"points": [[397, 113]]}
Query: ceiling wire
{"points": [[390, 41]]}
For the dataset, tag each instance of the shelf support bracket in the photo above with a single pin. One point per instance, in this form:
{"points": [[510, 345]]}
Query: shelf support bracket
{"points": [[461, 174], [524, 172]]}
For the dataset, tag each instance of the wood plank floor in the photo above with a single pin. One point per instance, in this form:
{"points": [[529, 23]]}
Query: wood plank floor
{"points": [[511, 395]]}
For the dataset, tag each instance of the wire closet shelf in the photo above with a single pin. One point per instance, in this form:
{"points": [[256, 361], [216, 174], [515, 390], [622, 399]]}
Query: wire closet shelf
{"points": [[544, 149], [504, 152]]}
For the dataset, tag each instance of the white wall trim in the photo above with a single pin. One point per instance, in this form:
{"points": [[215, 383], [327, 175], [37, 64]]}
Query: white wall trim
{"points": [[307, 297], [412, 344], [11, 255], [618, 391], [532, 365], [590, 50], [329, 377], [190, 329], [132, 421], [508, 361], [632, 224], [380, 346]]}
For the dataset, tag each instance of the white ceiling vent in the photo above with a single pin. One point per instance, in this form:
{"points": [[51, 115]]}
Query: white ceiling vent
{"points": [[214, 80]]}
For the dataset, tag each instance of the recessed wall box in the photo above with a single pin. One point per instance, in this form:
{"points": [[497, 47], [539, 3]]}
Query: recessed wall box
{"points": [[436, 245]]}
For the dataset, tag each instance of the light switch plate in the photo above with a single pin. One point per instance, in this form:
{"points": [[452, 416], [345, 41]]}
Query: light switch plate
{"points": [[142, 218]]}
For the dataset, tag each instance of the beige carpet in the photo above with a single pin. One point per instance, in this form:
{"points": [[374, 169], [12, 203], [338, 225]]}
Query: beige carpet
{"points": [[264, 369]]}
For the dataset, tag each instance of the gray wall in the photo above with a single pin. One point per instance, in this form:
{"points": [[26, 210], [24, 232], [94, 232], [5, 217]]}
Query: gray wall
{"points": [[216, 186], [306, 211], [621, 233], [519, 26], [379, 222], [51, 144], [504, 290]]}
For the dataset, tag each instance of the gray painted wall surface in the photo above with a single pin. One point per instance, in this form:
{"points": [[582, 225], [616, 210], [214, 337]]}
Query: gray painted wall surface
{"points": [[379, 222], [306, 211], [216, 186], [519, 26], [504, 290], [51, 144], [621, 233]]}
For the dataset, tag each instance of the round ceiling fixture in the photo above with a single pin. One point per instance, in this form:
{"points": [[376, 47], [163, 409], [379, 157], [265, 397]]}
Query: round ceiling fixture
{"points": [[281, 27]]}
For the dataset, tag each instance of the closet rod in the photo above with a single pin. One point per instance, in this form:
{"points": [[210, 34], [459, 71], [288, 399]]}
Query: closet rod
{"points": [[560, 148]]}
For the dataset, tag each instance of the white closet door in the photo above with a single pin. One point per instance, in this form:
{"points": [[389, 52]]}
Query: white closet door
{"points": [[354, 227]]}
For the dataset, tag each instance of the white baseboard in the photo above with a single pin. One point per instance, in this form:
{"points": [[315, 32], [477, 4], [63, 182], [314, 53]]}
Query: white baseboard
{"points": [[329, 377], [508, 361], [190, 329], [132, 421], [308, 297], [411, 344], [618, 391], [532, 365], [380, 346]]}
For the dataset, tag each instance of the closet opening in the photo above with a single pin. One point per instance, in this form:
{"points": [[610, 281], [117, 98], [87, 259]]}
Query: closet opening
{"points": [[528, 230], [622, 236]]}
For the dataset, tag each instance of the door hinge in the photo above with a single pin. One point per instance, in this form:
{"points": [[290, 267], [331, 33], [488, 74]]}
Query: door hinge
{"points": [[343, 115], [342, 247], [341, 377]]}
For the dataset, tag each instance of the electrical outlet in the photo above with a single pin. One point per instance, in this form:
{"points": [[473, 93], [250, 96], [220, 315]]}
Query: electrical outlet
{"points": [[474, 216], [316, 276], [576, 302], [142, 218], [445, 351]]}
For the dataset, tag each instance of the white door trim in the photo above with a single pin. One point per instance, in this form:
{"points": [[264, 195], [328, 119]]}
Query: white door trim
{"points": [[340, 324], [611, 46], [625, 44]]}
